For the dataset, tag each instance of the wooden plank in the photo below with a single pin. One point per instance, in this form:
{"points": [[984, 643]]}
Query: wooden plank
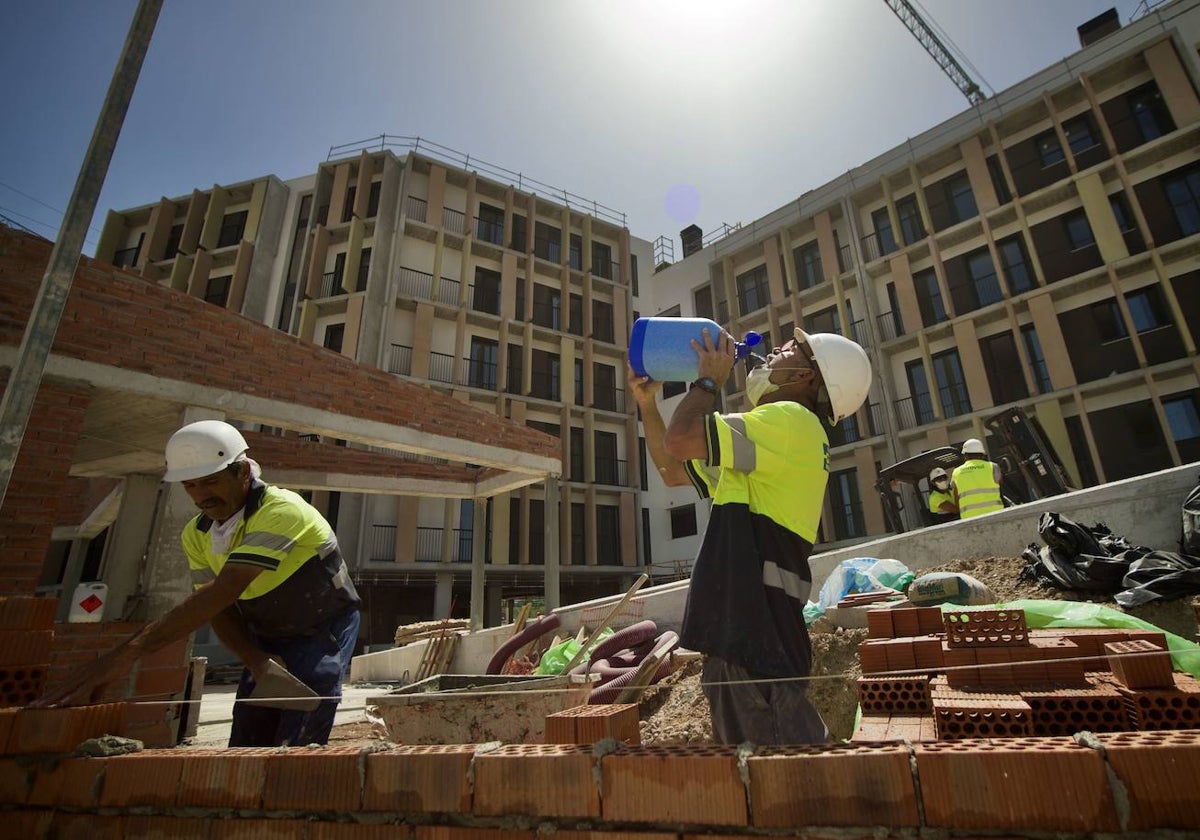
{"points": [[608, 619]]}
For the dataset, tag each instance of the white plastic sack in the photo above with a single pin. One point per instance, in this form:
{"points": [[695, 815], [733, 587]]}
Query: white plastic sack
{"points": [[859, 574]]}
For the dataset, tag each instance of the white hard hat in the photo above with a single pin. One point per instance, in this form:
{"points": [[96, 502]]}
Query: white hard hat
{"points": [[845, 369], [973, 446], [937, 473], [202, 448]]}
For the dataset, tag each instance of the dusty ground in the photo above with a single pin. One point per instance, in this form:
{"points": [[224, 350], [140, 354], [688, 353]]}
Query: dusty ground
{"points": [[676, 712]]}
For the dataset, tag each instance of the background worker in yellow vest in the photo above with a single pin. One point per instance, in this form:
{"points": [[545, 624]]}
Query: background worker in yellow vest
{"points": [[976, 483], [941, 500]]}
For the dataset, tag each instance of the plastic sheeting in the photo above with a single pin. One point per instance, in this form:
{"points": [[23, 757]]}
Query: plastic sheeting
{"points": [[1096, 560]]}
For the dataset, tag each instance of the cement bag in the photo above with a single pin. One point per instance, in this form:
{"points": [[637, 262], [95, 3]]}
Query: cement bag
{"points": [[949, 588]]}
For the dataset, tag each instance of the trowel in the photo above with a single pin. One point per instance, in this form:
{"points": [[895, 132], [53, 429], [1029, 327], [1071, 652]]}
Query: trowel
{"points": [[278, 689]]}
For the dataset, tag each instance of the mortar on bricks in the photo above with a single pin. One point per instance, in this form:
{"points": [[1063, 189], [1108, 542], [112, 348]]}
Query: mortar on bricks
{"points": [[474, 708]]}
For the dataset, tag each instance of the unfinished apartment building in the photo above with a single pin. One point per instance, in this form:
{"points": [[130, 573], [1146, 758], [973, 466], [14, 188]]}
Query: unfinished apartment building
{"points": [[1041, 249], [407, 260]]}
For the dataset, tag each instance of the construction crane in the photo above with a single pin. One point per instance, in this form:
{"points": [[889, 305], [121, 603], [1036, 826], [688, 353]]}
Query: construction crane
{"points": [[934, 46]]}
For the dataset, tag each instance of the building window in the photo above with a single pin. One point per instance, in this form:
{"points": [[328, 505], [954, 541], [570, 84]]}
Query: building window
{"points": [[983, 277], [602, 261], [578, 536], [576, 439], [999, 183], [922, 400], [547, 307], [643, 465], [604, 385], [929, 297], [575, 252], [683, 522], [633, 273], [520, 233], [646, 540], [808, 265], [1037, 359], [1079, 232], [578, 373], [702, 302], [1003, 368], [173, 239], [602, 321], [545, 375], [753, 290], [1183, 194], [485, 294], [1079, 134], [348, 207], [1183, 419], [128, 257], [1015, 261], [952, 385], [824, 321], [373, 199], [575, 314], [547, 242], [911, 227], [1120, 211], [1109, 324], [513, 368], [846, 506], [216, 291], [489, 227], [1049, 150], [608, 535], [1150, 113], [335, 334], [960, 198], [364, 269], [233, 227], [484, 361], [608, 467], [1147, 309], [885, 239]]}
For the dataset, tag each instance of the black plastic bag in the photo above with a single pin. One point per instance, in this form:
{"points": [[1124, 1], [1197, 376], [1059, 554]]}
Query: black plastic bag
{"points": [[1189, 542]]}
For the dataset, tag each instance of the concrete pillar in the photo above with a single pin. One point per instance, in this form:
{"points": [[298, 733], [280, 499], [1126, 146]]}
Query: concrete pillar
{"points": [[478, 559], [550, 535], [167, 581], [129, 539], [1172, 80], [494, 609], [443, 595], [1100, 216]]}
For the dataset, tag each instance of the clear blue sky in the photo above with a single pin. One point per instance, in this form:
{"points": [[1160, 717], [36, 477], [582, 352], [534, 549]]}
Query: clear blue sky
{"points": [[672, 111]]}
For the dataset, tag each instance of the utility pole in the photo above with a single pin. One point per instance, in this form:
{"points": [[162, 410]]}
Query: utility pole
{"points": [[26, 375]]}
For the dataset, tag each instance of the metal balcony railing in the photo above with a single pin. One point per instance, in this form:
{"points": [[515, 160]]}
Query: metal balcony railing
{"points": [[848, 521], [415, 208], [875, 418], [544, 385], [484, 300], [955, 399], [429, 545], [454, 221], [873, 249], [126, 257], [845, 259], [416, 285], [364, 271], [441, 367], [607, 270], [547, 315], [383, 542], [489, 231], [889, 325], [548, 250], [858, 332], [331, 284], [481, 374], [608, 399], [447, 292], [400, 359], [913, 412], [610, 471]]}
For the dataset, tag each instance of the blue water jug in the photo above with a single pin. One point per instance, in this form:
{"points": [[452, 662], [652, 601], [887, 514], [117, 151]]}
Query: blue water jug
{"points": [[661, 347]]}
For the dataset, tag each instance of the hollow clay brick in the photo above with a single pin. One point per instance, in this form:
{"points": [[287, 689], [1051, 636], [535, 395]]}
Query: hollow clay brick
{"points": [[879, 624], [453, 832], [313, 779], [555, 780], [243, 828], [419, 778], [833, 785], [74, 826], [358, 831], [681, 784], [1139, 664], [147, 778], [1020, 784], [231, 778], [25, 647], [1159, 772], [71, 783]]}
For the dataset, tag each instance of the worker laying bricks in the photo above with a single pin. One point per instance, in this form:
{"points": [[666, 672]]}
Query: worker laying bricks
{"points": [[976, 482], [751, 579], [269, 577]]}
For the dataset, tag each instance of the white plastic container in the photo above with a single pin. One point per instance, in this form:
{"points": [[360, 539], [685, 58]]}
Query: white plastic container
{"points": [[87, 605]]}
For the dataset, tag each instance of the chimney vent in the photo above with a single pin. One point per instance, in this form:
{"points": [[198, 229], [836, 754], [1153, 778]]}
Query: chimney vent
{"points": [[693, 240], [1098, 27]]}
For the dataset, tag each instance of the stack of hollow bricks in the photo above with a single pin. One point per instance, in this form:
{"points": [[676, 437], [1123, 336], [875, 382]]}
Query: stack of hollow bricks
{"points": [[35, 654], [983, 673]]}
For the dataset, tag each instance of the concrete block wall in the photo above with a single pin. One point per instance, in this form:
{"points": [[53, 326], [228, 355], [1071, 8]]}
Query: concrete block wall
{"points": [[1100, 785]]}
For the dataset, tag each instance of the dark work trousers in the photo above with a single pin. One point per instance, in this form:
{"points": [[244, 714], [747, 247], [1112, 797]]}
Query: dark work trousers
{"points": [[320, 661], [764, 713]]}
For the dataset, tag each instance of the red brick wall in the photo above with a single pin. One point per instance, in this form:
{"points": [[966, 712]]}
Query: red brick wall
{"points": [[36, 488]]}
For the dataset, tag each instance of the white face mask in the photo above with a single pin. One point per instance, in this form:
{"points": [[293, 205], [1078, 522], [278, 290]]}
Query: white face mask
{"points": [[759, 384]]}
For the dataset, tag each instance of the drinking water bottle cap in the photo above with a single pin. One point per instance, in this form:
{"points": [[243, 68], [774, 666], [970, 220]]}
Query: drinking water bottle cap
{"points": [[751, 339]]}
